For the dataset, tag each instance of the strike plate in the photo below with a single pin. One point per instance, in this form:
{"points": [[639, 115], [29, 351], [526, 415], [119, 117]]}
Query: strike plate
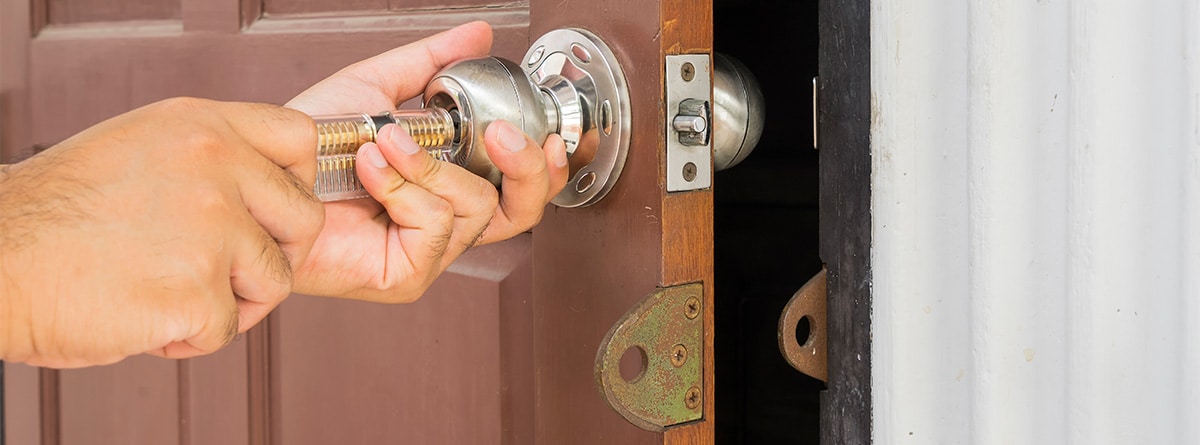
{"points": [[808, 304], [666, 329], [689, 162]]}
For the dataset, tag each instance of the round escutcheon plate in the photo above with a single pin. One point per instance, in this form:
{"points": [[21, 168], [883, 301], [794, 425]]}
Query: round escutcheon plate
{"points": [[591, 68]]}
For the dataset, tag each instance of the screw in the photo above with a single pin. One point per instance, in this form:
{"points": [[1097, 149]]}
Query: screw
{"points": [[692, 398], [688, 72], [678, 355], [689, 172], [692, 308]]}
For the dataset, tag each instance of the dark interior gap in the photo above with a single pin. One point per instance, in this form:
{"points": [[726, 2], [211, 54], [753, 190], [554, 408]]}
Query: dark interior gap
{"points": [[766, 228]]}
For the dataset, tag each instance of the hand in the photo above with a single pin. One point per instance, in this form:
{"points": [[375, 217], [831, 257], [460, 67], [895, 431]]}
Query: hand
{"points": [[165, 230], [425, 213]]}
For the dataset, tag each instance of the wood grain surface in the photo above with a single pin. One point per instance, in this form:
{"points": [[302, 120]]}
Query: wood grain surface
{"points": [[593, 264], [687, 28]]}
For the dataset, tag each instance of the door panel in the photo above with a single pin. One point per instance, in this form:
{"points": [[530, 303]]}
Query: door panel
{"points": [[427, 372], [65, 12], [500, 350], [592, 264], [150, 400], [285, 7]]}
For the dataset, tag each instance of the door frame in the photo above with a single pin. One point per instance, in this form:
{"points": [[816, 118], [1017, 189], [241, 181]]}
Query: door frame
{"points": [[843, 137]]}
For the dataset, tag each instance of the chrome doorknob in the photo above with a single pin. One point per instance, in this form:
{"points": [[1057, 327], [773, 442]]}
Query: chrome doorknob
{"points": [[738, 112]]}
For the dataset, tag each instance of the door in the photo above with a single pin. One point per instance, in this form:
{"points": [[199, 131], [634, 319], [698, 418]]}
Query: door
{"points": [[500, 350]]}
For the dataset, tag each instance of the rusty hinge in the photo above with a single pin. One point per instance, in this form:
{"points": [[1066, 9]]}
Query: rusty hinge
{"points": [[802, 335], [666, 332]]}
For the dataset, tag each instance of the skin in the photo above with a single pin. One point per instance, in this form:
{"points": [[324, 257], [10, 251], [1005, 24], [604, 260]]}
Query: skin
{"points": [[169, 229], [431, 211]]}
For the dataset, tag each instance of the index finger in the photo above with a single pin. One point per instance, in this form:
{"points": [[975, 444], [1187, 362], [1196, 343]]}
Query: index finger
{"points": [[286, 137]]}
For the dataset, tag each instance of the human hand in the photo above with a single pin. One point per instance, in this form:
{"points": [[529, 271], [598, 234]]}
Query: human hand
{"points": [[431, 211], [165, 230]]}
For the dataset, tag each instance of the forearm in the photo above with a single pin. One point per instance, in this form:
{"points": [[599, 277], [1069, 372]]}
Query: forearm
{"points": [[10, 322]]}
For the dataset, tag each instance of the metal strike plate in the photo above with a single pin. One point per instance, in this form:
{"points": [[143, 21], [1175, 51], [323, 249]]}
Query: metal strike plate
{"points": [[689, 158], [667, 330], [806, 309]]}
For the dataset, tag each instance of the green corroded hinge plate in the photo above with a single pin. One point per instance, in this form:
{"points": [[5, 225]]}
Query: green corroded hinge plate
{"points": [[667, 328]]}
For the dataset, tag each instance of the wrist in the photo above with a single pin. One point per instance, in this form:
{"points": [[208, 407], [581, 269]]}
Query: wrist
{"points": [[15, 341], [6, 294]]}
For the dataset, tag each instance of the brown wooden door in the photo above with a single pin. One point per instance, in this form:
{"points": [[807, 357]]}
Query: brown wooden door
{"points": [[499, 350]]}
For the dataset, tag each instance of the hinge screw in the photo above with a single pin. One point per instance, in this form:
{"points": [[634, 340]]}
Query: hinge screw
{"points": [[692, 308], [692, 398], [678, 355]]}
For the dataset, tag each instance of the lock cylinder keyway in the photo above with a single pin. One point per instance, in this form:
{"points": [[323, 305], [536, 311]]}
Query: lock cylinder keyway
{"points": [[569, 83]]}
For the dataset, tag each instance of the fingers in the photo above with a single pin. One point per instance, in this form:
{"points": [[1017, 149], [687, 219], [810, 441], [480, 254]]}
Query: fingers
{"points": [[420, 60], [286, 137], [425, 222], [260, 275], [258, 278], [473, 198], [212, 322], [273, 166], [282, 205], [532, 177]]}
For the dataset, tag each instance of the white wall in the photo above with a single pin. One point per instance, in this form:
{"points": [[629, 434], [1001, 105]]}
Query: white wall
{"points": [[1036, 219]]}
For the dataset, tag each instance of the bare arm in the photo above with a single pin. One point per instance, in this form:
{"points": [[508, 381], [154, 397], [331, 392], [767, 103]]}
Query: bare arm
{"points": [[164, 230]]}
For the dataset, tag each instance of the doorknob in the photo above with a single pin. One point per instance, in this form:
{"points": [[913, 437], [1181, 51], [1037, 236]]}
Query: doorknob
{"points": [[738, 112], [569, 83]]}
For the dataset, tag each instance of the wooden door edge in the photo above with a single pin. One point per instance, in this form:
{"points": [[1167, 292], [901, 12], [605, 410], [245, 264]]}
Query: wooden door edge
{"points": [[687, 28]]}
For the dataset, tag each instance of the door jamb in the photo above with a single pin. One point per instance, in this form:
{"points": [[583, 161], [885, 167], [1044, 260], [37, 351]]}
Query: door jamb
{"points": [[845, 215]]}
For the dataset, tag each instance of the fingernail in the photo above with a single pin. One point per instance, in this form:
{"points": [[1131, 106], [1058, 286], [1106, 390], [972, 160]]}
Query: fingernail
{"points": [[560, 159], [371, 152], [510, 138], [395, 136]]}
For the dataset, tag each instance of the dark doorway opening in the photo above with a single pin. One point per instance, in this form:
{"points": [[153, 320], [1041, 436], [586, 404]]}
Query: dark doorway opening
{"points": [[766, 228]]}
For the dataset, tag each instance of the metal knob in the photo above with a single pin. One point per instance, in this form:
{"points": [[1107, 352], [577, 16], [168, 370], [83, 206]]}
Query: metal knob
{"points": [[738, 112], [488, 89]]}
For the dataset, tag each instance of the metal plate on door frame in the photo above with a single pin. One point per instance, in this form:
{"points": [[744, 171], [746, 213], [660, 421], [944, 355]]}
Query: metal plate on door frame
{"points": [[689, 167], [667, 328]]}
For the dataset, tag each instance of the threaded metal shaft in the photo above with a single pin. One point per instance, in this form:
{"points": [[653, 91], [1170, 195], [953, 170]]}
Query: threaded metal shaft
{"points": [[339, 137]]}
